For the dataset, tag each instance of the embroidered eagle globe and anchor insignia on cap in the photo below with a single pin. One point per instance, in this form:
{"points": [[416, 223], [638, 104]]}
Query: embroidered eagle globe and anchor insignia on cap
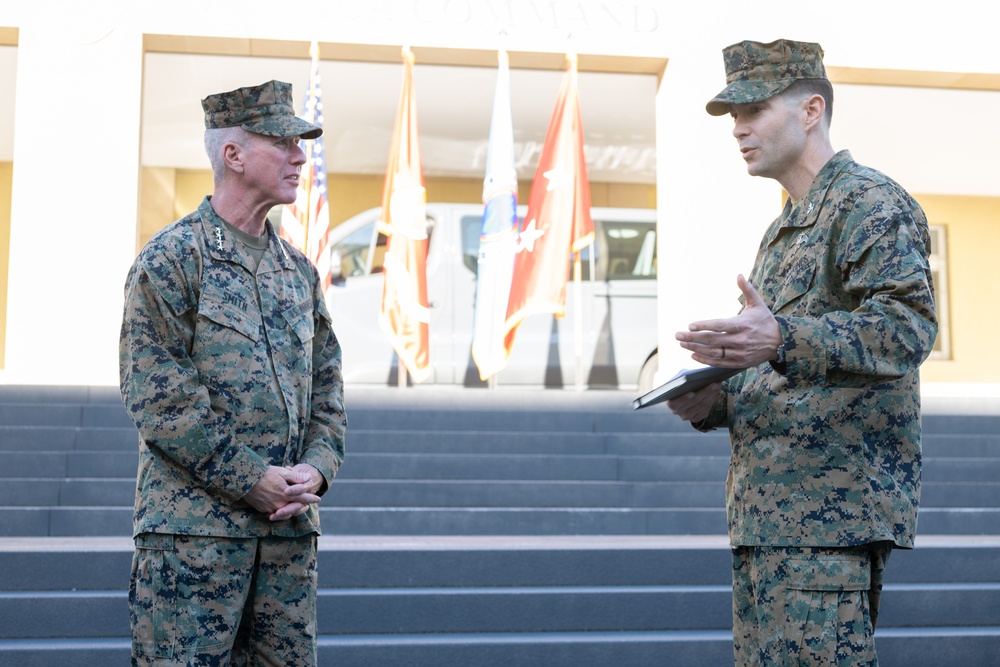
{"points": [[756, 71], [265, 109]]}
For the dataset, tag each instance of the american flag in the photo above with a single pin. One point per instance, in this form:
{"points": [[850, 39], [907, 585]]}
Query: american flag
{"points": [[306, 222]]}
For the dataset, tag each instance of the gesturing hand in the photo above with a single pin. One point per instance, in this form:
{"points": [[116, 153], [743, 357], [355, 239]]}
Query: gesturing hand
{"points": [[748, 339]]}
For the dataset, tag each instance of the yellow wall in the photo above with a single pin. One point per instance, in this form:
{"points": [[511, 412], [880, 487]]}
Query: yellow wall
{"points": [[972, 226], [973, 246], [6, 176], [168, 194]]}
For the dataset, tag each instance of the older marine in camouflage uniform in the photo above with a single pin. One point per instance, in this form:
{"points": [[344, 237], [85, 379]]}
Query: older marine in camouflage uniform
{"points": [[824, 477], [231, 371]]}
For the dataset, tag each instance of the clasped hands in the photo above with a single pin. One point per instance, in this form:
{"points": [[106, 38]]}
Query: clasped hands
{"points": [[286, 492], [748, 339]]}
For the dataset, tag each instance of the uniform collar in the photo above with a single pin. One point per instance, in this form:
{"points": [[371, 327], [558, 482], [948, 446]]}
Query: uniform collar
{"points": [[805, 212], [225, 247]]}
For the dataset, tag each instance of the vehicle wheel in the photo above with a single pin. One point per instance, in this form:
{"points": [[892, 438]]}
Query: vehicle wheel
{"points": [[647, 375]]}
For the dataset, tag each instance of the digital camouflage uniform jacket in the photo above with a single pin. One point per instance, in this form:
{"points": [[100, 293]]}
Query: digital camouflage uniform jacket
{"points": [[827, 453], [219, 385]]}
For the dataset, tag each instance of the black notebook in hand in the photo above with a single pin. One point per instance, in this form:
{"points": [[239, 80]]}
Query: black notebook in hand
{"points": [[682, 383]]}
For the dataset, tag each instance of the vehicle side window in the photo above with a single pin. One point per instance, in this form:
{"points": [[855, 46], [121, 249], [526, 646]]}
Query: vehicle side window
{"points": [[631, 250], [624, 251], [355, 249], [472, 229], [472, 226], [363, 252]]}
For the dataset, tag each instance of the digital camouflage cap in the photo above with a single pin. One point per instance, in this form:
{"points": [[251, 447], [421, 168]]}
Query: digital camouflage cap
{"points": [[265, 109], [756, 71]]}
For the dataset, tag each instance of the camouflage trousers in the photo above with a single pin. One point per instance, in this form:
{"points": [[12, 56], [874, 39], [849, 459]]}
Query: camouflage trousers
{"points": [[807, 606], [217, 601]]}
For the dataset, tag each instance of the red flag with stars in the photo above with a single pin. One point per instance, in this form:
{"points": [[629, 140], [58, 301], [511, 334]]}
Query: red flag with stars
{"points": [[558, 221]]}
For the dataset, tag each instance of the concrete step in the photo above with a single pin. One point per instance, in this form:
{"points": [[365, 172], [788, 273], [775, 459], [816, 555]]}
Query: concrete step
{"points": [[530, 528], [422, 466], [109, 415], [72, 614], [535, 467], [422, 409], [111, 521], [923, 647], [527, 601], [453, 610], [352, 562], [47, 521], [927, 647], [68, 438], [95, 415], [374, 441], [403, 493], [413, 466], [375, 493]]}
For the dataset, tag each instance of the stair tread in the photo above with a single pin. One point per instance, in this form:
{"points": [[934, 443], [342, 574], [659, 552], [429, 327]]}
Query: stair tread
{"points": [[638, 480]]}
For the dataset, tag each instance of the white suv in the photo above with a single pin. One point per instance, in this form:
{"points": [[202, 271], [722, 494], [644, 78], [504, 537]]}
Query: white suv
{"points": [[619, 305]]}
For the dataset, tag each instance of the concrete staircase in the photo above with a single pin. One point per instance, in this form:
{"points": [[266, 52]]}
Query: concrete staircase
{"points": [[485, 528]]}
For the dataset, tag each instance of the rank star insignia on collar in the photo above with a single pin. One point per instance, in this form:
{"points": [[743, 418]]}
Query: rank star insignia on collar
{"points": [[218, 238]]}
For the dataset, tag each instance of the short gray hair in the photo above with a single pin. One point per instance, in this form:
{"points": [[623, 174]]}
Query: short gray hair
{"points": [[215, 139], [803, 88]]}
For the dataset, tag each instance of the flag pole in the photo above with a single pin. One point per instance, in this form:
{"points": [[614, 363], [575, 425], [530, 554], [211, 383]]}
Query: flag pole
{"points": [[578, 319], [577, 277], [401, 376], [313, 60]]}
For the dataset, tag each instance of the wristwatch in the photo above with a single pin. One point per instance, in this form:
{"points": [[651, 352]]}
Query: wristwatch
{"points": [[779, 364]]}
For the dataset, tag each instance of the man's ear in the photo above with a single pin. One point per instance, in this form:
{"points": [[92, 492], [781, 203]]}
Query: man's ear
{"points": [[232, 155], [815, 107]]}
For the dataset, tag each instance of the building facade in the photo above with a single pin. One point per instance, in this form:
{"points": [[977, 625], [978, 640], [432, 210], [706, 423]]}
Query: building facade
{"points": [[86, 177]]}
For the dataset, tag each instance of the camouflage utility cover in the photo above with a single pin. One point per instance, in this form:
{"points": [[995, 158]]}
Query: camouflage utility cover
{"points": [[265, 109], [828, 454], [756, 71], [221, 385]]}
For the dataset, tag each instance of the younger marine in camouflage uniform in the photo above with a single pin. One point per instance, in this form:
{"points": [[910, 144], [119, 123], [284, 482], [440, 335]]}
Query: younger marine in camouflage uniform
{"points": [[837, 317], [232, 373]]}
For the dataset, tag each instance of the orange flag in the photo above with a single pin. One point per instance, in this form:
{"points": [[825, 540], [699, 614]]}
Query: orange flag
{"points": [[405, 314], [558, 221]]}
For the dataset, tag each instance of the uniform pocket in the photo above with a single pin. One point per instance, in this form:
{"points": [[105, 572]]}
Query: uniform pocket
{"points": [[795, 280], [825, 608], [150, 598], [300, 320], [842, 572], [225, 340]]}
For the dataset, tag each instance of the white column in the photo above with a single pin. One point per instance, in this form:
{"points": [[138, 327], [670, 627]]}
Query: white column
{"points": [[75, 191], [711, 213]]}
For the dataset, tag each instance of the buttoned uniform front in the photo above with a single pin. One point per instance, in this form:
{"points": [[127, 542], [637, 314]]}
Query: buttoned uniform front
{"points": [[826, 452], [221, 385]]}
